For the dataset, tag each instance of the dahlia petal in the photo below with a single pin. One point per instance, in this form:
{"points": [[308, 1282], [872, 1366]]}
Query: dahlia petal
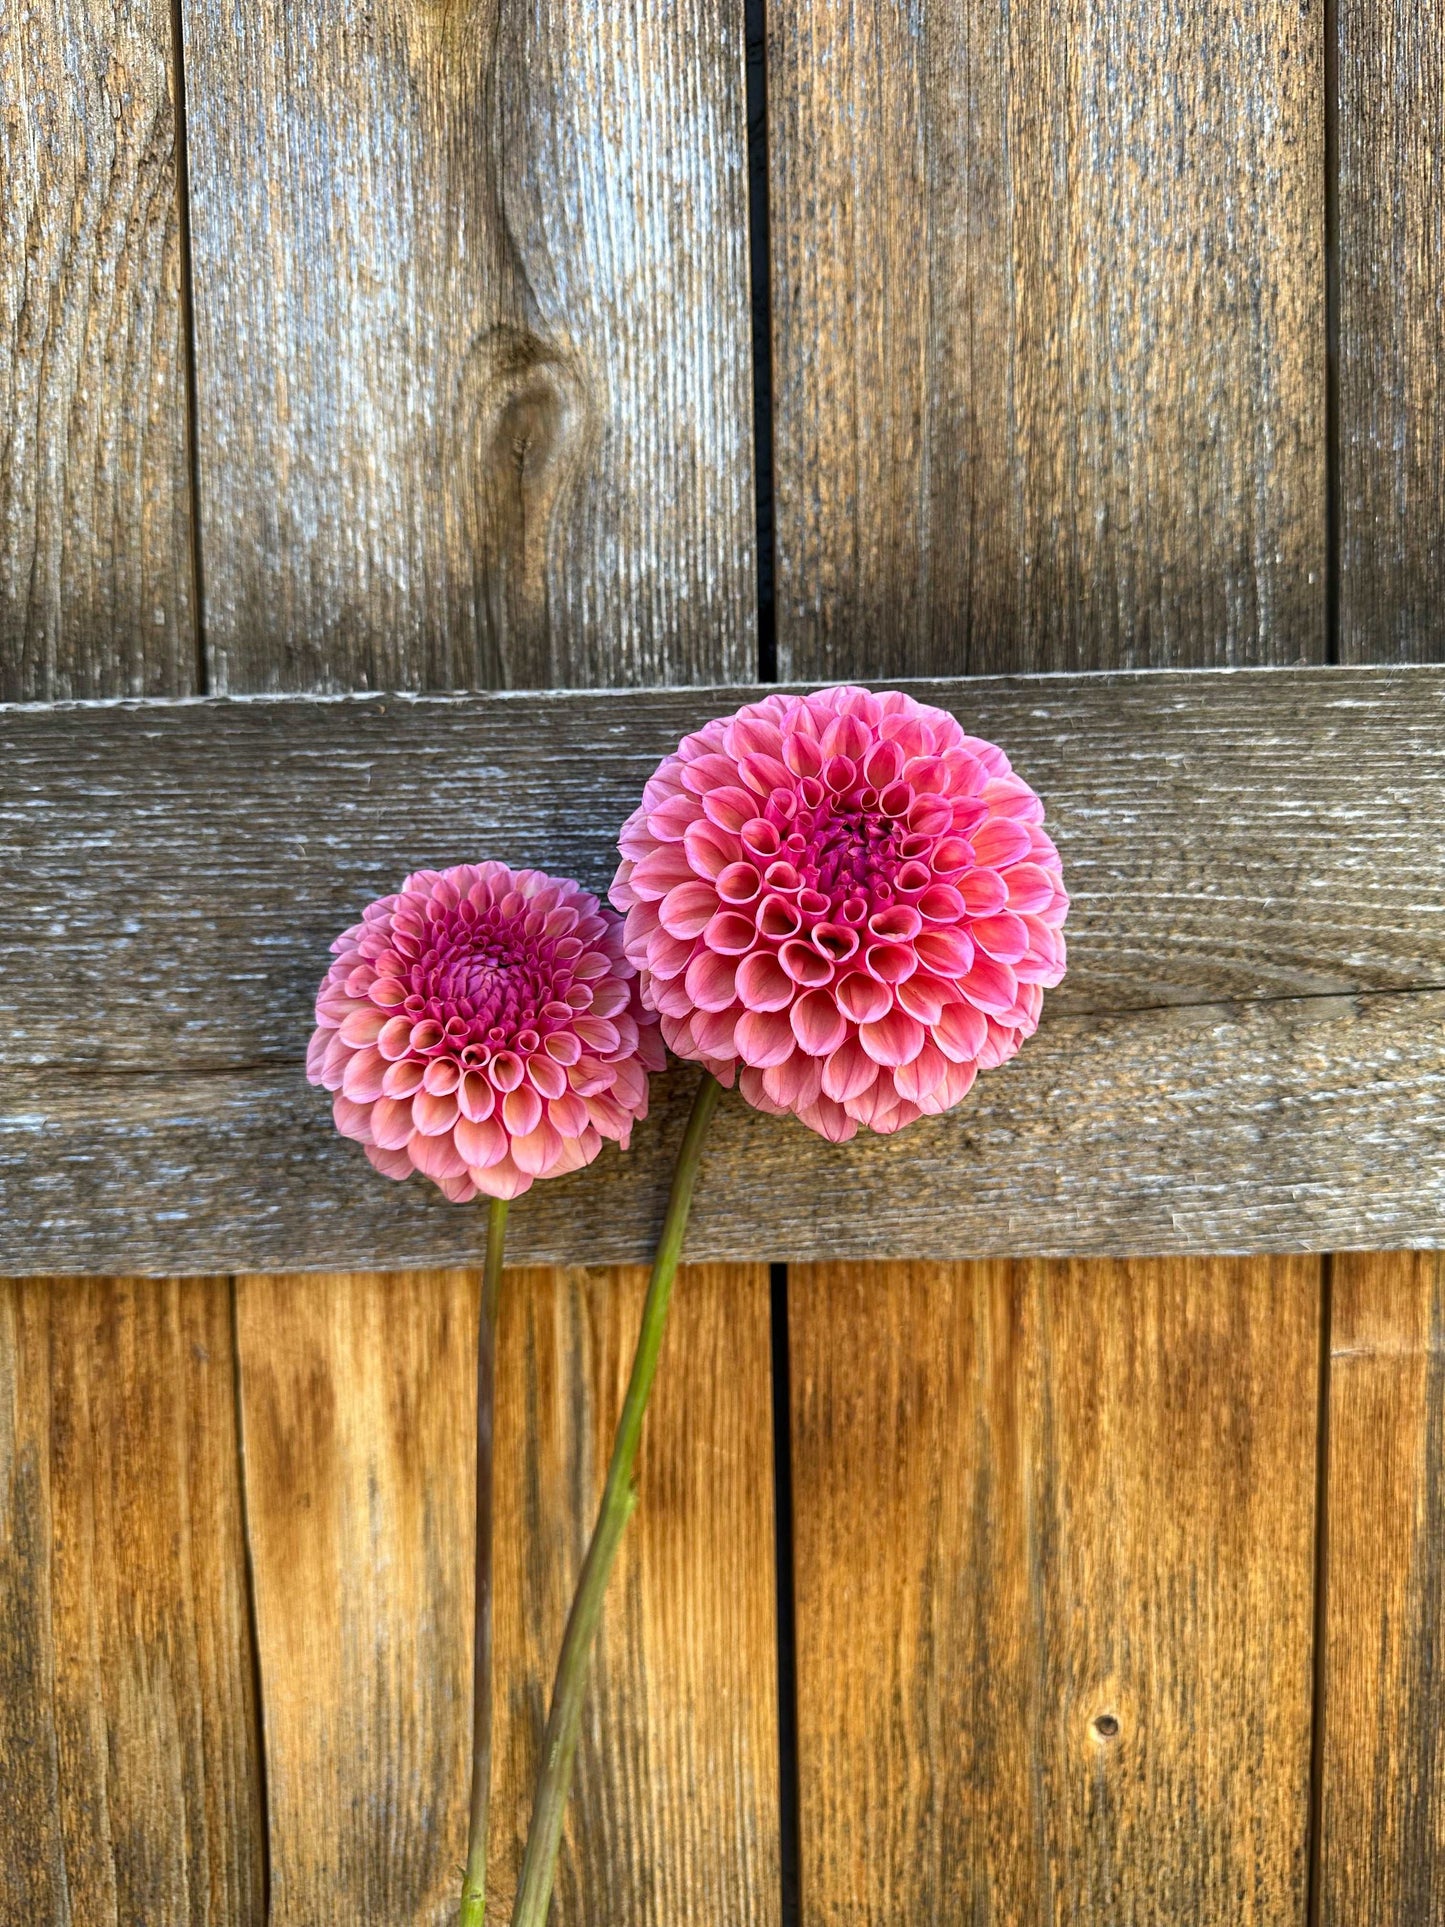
{"points": [[480, 1142], [710, 850], [669, 820], [613, 996], [362, 1078], [501, 1180], [892, 1040], [316, 1054], [335, 1058], [393, 1040], [521, 1110], [961, 1032], [729, 808], [763, 1037], [1004, 937], [353, 1120], [506, 1070], [990, 985], [713, 1030], [567, 1114], [863, 998], [435, 1157], [391, 1164], [947, 953], [818, 1024], [391, 1123], [922, 997], [662, 871], [432, 1114], [538, 1150], [849, 1071], [763, 984], [954, 1088], [688, 908], [829, 1120], [796, 1082], [922, 1077], [1000, 841], [442, 1076], [711, 981], [1029, 887], [755, 1093], [475, 1097], [403, 1078], [363, 1026]]}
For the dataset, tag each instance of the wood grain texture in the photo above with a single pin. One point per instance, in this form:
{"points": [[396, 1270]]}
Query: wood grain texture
{"points": [[359, 1459], [673, 1818], [183, 867], [1053, 1551], [128, 1728], [1289, 1125], [1049, 334], [1383, 1818], [472, 336], [359, 1445], [95, 515], [1246, 1054], [1391, 324]]}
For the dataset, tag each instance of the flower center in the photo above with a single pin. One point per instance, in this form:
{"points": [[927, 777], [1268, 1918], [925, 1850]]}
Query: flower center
{"points": [[485, 981], [844, 852]]}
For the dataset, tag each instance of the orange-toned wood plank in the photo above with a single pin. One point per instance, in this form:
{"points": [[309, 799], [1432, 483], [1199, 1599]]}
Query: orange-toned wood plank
{"points": [[1054, 1534], [360, 1459], [129, 1751], [1383, 1807]]}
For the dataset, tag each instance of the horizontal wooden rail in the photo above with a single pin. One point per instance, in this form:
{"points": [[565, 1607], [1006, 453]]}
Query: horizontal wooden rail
{"points": [[1248, 1052]]}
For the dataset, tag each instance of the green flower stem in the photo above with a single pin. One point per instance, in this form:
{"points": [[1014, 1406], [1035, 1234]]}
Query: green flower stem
{"points": [[474, 1887], [559, 1746]]}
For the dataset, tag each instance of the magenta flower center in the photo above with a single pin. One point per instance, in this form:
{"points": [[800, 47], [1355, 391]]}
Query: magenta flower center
{"points": [[847, 853], [484, 980]]}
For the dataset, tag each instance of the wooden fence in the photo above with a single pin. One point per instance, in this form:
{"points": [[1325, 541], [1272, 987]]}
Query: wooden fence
{"points": [[1014, 1545]]}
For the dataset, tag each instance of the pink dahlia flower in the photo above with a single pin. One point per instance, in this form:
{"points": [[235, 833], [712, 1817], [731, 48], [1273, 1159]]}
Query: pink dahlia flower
{"points": [[483, 1027], [847, 896]]}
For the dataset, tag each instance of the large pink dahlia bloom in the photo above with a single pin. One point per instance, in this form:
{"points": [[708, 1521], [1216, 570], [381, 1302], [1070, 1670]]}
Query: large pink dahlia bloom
{"points": [[847, 896], [483, 1027]]}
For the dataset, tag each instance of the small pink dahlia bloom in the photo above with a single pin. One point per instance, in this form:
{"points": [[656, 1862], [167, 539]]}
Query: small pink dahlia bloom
{"points": [[483, 1027], [847, 896]]}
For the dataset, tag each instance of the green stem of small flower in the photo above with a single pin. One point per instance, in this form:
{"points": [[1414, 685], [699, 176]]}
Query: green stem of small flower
{"points": [[559, 1746], [474, 1886]]}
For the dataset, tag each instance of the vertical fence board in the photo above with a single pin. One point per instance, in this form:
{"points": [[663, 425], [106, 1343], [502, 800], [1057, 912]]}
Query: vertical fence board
{"points": [[1048, 335], [672, 1822], [472, 352], [1383, 1825], [1391, 329], [95, 514], [1049, 391], [474, 403], [127, 1721], [1382, 1845], [128, 1734], [1053, 1543], [358, 1436]]}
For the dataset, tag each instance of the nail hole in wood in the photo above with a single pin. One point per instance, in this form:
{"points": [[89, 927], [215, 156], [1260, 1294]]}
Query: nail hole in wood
{"points": [[1105, 1726]]}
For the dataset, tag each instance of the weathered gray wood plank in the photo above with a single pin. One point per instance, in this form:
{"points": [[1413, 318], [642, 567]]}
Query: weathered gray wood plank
{"points": [[1049, 334], [1289, 1125], [95, 513], [472, 336], [1392, 327], [171, 875], [1254, 858]]}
